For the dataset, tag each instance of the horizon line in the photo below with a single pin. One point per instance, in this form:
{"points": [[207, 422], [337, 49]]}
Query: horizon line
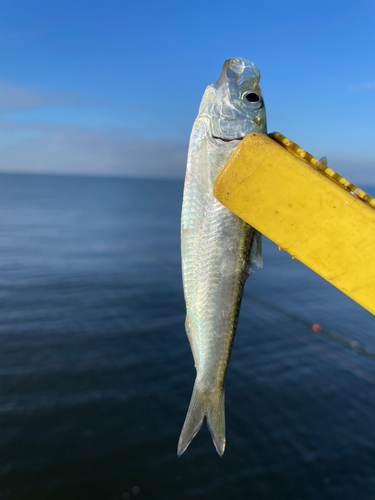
{"points": [[92, 174]]}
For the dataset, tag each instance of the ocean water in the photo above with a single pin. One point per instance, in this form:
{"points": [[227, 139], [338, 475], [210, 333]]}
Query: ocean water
{"points": [[96, 371]]}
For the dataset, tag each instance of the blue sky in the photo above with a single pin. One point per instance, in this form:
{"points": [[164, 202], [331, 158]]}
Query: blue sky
{"points": [[113, 87]]}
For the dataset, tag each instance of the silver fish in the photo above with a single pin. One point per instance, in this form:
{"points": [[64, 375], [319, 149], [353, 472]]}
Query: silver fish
{"points": [[218, 249]]}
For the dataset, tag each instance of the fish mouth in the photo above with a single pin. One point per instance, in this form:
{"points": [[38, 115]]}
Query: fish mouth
{"points": [[227, 140]]}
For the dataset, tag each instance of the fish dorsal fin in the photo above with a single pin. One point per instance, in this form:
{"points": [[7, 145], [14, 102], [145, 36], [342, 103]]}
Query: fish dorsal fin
{"points": [[324, 160]]}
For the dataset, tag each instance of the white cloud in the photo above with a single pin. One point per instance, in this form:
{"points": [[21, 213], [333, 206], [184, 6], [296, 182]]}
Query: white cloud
{"points": [[362, 86], [14, 96], [360, 172], [38, 147], [55, 148]]}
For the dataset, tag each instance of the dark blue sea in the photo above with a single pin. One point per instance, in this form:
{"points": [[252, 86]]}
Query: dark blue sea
{"points": [[96, 371]]}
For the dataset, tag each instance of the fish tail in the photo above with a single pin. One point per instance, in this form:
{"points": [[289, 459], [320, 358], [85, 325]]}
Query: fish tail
{"points": [[204, 403]]}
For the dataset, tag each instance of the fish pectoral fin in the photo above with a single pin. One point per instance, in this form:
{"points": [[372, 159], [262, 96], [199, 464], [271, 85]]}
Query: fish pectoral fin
{"points": [[256, 254], [211, 404]]}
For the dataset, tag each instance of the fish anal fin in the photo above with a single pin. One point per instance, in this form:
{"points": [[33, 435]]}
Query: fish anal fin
{"points": [[190, 336]]}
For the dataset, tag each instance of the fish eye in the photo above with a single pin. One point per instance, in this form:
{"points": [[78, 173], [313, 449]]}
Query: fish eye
{"points": [[252, 97]]}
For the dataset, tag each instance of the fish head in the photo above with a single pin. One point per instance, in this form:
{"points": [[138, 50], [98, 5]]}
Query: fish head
{"points": [[234, 104]]}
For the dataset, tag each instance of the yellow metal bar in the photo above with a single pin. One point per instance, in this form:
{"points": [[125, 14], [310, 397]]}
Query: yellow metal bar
{"points": [[297, 151], [306, 208]]}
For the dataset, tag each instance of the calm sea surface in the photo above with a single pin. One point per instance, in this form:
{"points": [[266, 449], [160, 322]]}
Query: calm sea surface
{"points": [[96, 371]]}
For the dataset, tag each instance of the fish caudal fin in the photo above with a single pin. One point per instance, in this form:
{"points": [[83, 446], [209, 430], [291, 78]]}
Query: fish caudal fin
{"points": [[211, 405]]}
